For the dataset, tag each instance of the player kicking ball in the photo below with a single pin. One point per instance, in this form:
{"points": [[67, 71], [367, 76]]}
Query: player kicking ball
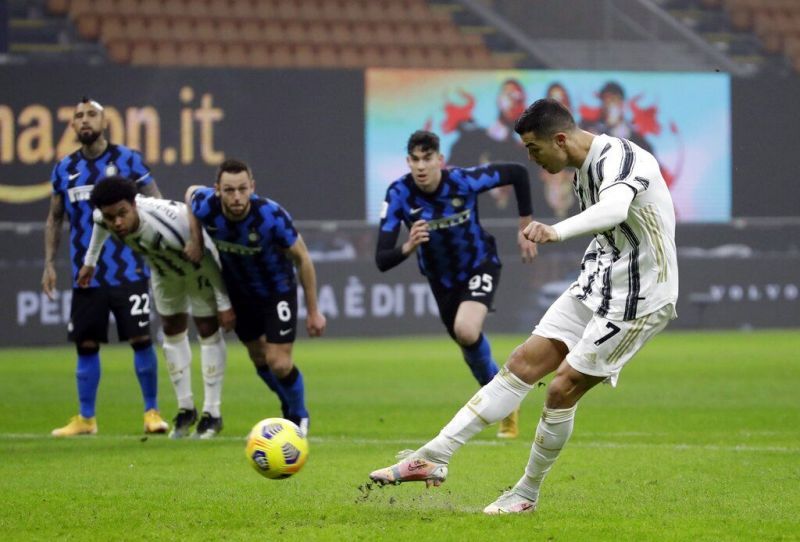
{"points": [[625, 294], [158, 230]]}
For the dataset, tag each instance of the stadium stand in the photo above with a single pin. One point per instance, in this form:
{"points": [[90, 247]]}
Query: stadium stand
{"points": [[280, 33]]}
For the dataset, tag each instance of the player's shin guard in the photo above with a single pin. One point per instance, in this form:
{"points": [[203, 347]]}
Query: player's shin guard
{"points": [[213, 358], [87, 376], [295, 393], [492, 403], [178, 354], [479, 358], [146, 363], [552, 433]]}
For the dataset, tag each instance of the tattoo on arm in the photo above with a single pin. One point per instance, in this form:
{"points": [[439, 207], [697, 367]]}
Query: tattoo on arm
{"points": [[150, 190], [53, 228]]}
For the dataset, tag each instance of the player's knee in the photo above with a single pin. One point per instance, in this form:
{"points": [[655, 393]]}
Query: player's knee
{"points": [[206, 328], [564, 390], [279, 365], [141, 343], [465, 334], [87, 348]]}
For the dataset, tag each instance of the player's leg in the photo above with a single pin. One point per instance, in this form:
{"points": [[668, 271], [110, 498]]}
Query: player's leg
{"points": [[88, 327], [178, 354], [603, 350], [554, 429], [213, 359], [290, 382], [539, 355], [492, 403], [131, 307]]}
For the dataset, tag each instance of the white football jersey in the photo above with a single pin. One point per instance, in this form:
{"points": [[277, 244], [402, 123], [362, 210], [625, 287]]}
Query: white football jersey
{"points": [[162, 234], [631, 270]]}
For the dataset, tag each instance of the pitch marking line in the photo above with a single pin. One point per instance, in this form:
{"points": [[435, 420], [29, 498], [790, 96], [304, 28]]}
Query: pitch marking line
{"points": [[596, 444]]}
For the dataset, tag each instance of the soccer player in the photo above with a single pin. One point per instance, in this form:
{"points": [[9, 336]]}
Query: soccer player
{"points": [[259, 249], [457, 256], [625, 294], [120, 284], [158, 229]]}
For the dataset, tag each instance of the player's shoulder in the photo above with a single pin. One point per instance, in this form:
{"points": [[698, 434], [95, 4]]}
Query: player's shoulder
{"points": [[267, 205], [203, 193], [401, 185], [122, 150]]}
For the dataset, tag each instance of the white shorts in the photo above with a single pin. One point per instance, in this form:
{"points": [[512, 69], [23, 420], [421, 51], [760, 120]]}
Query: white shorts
{"points": [[599, 346], [175, 295]]}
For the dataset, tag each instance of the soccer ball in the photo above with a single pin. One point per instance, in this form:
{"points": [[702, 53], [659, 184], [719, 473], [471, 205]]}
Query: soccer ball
{"points": [[276, 448]]}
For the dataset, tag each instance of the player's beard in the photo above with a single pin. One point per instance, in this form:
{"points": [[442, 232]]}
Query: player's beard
{"points": [[88, 138]]}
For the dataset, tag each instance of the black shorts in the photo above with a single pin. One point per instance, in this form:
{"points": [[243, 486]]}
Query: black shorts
{"points": [[275, 317], [130, 305], [480, 287]]}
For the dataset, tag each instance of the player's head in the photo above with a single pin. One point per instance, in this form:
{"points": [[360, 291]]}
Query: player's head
{"points": [[88, 121], [510, 101], [424, 159], [234, 187], [116, 199], [545, 128]]}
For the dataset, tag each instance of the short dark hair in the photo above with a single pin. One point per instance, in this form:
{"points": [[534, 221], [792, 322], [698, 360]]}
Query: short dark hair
{"points": [[231, 165], [112, 190], [544, 118], [428, 141]]}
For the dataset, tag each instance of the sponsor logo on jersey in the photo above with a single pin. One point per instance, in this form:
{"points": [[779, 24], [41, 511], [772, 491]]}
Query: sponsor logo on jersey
{"points": [[80, 193], [233, 248], [450, 221]]}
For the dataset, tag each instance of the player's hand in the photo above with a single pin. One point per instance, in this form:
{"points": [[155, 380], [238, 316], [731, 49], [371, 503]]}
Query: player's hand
{"points": [[193, 251], [49, 281], [227, 319], [528, 248], [315, 324], [85, 276], [418, 234], [540, 233]]}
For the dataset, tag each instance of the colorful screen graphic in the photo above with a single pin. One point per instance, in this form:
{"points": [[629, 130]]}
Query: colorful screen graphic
{"points": [[682, 118]]}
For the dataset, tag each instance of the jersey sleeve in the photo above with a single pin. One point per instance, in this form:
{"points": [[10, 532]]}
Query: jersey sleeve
{"points": [[284, 233], [140, 173], [55, 179], [387, 255], [617, 166], [201, 202]]}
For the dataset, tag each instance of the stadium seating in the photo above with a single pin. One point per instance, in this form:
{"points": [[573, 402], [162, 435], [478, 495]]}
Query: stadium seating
{"points": [[280, 33]]}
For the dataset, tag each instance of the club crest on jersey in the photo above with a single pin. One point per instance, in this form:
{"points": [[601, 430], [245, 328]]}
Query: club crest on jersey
{"points": [[457, 202], [111, 170], [254, 237]]}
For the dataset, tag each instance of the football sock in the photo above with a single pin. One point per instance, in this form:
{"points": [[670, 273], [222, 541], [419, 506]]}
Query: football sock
{"points": [[552, 433], [492, 403], [87, 375], [479, 358], [146, 364], [294, 390], [179, 365], [272, 382], [213, 358]]}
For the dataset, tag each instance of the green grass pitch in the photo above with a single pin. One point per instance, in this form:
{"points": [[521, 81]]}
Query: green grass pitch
{"points": [[700, 441]]}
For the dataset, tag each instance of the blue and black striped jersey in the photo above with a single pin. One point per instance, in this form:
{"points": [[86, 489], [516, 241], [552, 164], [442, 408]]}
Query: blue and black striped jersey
{"points": [[458, 243], [73, 179], [252, 250]]}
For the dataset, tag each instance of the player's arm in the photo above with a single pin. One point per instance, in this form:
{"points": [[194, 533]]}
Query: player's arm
{"points": [[315, 320], [608, 212], [387, 255], [150, 189], [516, 175], [99, 236], [52, 237], [194, 245]]}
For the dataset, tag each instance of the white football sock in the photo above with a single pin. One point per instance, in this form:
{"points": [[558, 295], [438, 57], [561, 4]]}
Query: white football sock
{"points": [[179, 364], [492, 403], [213, 358], [552, 434]]}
